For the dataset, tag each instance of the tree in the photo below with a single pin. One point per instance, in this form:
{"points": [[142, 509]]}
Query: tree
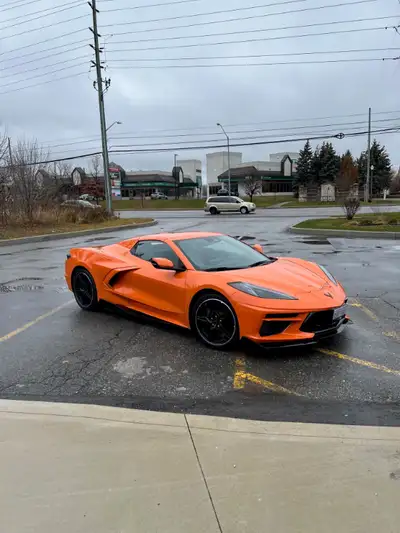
{"points": [[395, 183], [315, 165], [329, 163], [304, 162], [348, 172], [381, 172], [252, 186], [28, 191]]}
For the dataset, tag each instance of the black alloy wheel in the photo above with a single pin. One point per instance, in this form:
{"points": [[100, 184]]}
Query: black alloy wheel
{"points": [[215, 322], [84, 289]]}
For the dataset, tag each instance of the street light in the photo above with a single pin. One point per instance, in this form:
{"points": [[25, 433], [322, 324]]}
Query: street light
{"points": [[113, 124], [229, 157]]}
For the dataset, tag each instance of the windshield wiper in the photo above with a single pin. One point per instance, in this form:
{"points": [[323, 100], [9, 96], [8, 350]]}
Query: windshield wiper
{"points": [[222, 269], [260, 263]]}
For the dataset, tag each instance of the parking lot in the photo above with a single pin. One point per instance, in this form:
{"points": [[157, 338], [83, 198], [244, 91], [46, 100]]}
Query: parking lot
{"points": [[51, 350]]}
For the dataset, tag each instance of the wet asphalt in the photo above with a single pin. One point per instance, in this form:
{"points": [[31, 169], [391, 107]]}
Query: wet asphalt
{"points": [[115, 359]]}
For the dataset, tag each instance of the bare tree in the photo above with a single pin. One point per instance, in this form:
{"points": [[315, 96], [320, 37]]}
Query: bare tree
{"points": [[5, 195], [252, 186], [29, 188], [95, 168]]}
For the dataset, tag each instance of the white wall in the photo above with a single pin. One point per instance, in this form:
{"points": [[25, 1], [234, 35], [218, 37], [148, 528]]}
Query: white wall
{"points": [[191, 167], [217, 163]]}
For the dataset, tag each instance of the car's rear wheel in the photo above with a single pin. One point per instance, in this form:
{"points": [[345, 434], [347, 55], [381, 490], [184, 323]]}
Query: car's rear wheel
{"points": [[213, 211], [214, 321], [244, 210], [84, 289]]}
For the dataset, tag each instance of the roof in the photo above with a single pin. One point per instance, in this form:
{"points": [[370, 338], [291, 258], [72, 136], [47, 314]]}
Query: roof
{"points": [[159, 176], [244, 172]]}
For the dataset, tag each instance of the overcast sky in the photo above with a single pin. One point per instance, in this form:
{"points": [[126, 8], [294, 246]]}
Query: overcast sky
{"points": [[173, 106]]}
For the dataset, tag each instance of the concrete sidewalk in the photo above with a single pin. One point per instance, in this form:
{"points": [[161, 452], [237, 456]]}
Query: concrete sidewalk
{"points": [[69, 468]]}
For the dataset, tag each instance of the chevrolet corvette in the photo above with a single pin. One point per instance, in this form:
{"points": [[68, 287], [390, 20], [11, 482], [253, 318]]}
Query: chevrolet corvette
{"points": [[218, 286]]}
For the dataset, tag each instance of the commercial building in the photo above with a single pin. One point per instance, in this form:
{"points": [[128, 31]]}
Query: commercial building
{"points": [[192, 168], [217, 163], [274, 176]]}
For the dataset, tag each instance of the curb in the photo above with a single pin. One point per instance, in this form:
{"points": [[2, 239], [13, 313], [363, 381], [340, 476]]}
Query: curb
{"points": [[71, 234], [348, 234]]}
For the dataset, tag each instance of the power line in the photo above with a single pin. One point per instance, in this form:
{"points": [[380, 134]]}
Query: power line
{"points": [[21, 4], [281, 63], [258, 39], [69, 5], [208, 13], [36, 59], [250, 56], [43, 27], [14, 89], [165, 4], [41, 42], [224, 11], [238, 32], [42, 67], [282, 121], [256, 143]]}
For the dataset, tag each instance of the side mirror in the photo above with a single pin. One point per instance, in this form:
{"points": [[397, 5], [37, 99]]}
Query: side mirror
{"points": [[258, 247], [162, 263]]}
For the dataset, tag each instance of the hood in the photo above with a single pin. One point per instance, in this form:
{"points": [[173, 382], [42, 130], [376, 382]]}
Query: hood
{"points": [[283, 275]]}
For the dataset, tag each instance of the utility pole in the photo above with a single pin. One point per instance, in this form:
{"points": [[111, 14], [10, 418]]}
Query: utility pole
{"points": [[102, 86], [10, 151], [229, 157], [366, 193]]}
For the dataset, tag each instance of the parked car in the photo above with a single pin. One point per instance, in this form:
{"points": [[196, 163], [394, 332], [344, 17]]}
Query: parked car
{"points": [[228, 204], [79, 204], [158, 196], [87, 197]]}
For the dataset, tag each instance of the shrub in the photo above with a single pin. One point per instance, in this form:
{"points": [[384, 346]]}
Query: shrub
{"points": [[351, 205]]}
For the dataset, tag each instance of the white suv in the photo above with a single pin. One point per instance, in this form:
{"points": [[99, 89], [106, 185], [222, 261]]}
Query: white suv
{"points": [[228, 204]]}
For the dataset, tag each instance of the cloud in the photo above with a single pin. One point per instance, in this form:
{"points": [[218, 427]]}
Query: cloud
{"points": [[183, 101]]}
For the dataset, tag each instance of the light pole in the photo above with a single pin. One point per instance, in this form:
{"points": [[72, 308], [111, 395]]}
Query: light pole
{"points": [[113, 124], [229, 157]]}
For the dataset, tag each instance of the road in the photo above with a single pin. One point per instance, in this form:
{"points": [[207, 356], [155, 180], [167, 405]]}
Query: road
{"points": [[51, 350]]}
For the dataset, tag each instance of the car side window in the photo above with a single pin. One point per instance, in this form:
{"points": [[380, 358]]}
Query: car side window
{"points": [[148, 249]]}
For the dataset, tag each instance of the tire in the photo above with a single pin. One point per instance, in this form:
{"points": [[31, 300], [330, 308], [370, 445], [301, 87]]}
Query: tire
{"points": [[213, 211], [84, 289], [209, 310], [244, 210]]}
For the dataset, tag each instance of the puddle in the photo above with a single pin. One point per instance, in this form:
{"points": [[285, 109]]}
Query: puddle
{"points": [[99, 239], [20, 288], [327, 253], [320, 242]]}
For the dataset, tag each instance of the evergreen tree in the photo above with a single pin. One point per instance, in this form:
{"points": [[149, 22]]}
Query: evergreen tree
{"points": [[329, 163], [303, 174], [381, 172], [315, 165]]}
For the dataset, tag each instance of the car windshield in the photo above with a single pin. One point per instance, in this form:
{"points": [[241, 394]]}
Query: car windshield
{"points": [[221, 252]]}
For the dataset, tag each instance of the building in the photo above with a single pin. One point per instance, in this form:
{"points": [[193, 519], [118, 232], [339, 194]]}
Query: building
{"points": [[147, 182], [217, 163], [275, 177], [294, 156], [192, 168]]}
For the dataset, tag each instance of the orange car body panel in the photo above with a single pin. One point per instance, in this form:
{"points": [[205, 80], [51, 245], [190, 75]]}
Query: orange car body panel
{"points": [[129, 281]]}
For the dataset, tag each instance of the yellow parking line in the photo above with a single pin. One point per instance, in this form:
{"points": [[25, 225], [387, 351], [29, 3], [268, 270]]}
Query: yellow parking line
{"points": [[361, 362], [33, 322], [242, 377], [367, 311], [392, 335]]}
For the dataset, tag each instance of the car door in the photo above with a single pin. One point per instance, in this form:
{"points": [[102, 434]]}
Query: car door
{"points": [[225, 204], [160, 293]]}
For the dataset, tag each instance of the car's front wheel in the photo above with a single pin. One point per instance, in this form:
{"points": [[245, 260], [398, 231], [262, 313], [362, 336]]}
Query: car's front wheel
{"points": [[244, 210], [84, 289], [214, 321], [213, 211]]}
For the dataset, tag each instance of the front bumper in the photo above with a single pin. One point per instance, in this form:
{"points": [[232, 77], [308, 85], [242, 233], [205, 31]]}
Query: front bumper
{"points": [[289, 327]]}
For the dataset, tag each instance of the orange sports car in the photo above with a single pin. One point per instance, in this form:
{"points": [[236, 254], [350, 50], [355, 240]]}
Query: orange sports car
{"points": [[216, 285]]}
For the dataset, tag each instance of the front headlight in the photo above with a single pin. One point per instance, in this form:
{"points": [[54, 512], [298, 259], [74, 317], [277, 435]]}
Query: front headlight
{"points": [[328, 274], [260, 292]]}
